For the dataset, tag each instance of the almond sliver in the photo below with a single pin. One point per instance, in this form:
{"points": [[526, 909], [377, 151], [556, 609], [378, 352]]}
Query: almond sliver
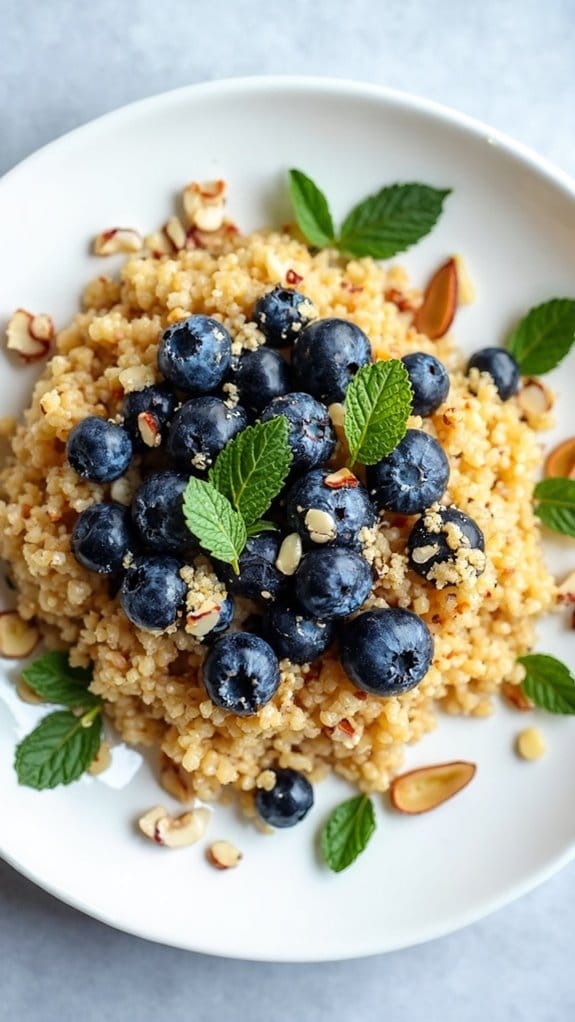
{"points": [[421, 790], [435, 314]]}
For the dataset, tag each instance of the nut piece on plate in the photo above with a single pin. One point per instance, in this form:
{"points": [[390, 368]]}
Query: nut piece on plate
{"points": [[118, 239], [561, 460], [176, 232], [28, 335], [175, 780], [436, 312], [466, 288], [290, 554], [204, 204], [101, 761], [174, 831], [17, 637], [515, 696], [530, 744], [418, 791], [223, 855], [535, 400]]}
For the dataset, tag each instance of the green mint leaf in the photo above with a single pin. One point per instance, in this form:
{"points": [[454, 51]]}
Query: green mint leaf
{"points": [[311, 209], [262, 526], [377, 407], [252, 468], [556, 504], [392, 220], [548, 683], [213, 521], [59, 749], [544, 336], [52, 678], [347, 832]]}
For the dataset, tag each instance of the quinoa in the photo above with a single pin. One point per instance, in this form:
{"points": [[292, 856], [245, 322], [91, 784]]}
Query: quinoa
{"points": [[317, 721]]}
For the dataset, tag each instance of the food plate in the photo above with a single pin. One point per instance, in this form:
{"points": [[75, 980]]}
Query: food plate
{"points": [[513, 218]]}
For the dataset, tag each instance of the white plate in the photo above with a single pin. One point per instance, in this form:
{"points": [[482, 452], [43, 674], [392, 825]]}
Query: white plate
{"points": [[513, 217]]}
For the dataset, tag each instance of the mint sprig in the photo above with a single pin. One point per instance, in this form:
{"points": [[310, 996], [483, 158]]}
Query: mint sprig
{"points": [[548, 683], [380, 226], [347, 832], [555, 504], [544, 336], [252, 468], [213, 521], [377, 407], [52, 678], [60, 749]]}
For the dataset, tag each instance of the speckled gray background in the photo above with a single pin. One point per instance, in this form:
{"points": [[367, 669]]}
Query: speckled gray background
{"points": [[509, 62]]}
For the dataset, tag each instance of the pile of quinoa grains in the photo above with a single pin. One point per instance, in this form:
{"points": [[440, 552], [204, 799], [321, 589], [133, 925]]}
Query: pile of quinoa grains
{"points": [[266, 518]]}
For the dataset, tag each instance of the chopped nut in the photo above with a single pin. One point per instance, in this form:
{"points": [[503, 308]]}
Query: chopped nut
{"points": [[174, 831], [397, 297], [149, 430], [176, 232], [515, 695], [204, 204], [28, 335], [561, 461], [566, 591], [102, 760], [342, 479], [418, 791], [293, 278], [466, 288], [136, 378], [17, 637], [336, 412], [158, 244], [27, 693], [118, 239], [223, 855], [202, 621], [435, 314], [530, 744], [175, 780], [534, 398], [320, 525], [290, 554]]}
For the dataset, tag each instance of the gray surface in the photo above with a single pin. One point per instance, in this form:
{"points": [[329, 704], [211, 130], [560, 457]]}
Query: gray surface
{"points": [[509, 63]]}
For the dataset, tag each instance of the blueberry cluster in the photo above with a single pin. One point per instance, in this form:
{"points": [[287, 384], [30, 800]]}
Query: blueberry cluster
{"points": [[178, 427]]}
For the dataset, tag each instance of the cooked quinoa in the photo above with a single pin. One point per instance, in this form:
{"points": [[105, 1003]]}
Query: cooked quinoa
{"points": [[317, 720]]}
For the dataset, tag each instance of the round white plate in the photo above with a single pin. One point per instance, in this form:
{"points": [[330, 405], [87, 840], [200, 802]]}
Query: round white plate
{"points": [[513, 218]]}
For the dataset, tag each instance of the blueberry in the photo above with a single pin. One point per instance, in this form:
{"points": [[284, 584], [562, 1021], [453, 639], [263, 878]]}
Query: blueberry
{"points": [[260, 376], [225, 618], [102, 537], [158, 513], [281, 314], [98, 450], [429, 381], [349, 506], [201, 429], [412, 477], [153, 592], [436, 542], [294, 634], [332, 581], [195, 354], [290, 799], [159, 402], [386, 652], [326, 355], [311, 435], [501, 366], [258, 573], [241, 673]]}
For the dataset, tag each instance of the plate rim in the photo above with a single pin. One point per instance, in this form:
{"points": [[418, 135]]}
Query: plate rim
{"points": [[523, 155]]}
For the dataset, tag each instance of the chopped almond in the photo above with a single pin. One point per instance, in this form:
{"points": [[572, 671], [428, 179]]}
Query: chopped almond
{"points": [[530, 744], [118, 239], [561, 460], [342, 479], [28, 335], [515, 695], [17, 637], [435, 314], [223, 855], [421, 790]]}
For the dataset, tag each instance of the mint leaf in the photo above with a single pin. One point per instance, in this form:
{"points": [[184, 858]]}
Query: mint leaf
{"points": [[311, 209], [377, 407], [556, 504], [548, 683], [52, 678], [347, 832], [212, 519], [252, 468], [544, 336], [59, 749], [261, 526], [392, 220]]}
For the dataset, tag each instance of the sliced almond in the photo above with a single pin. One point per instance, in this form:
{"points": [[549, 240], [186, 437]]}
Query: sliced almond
{"points": [[530, 744], [204, 204], [435, 314], [515, 695], [534, 398], [17, 637], [202, 622], [176, 232], [342, 479], [118, 239], [290, 554], [421, 790], [28, 335], [466, 288], [561, 460], [223, 855], [320, 525], [149, 430]]}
